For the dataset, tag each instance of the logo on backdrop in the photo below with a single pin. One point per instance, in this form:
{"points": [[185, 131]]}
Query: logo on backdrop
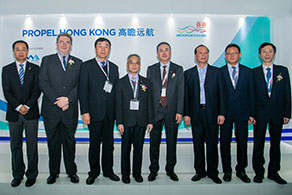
{"points": [[191, 31], [114, 32], [33, 58]]}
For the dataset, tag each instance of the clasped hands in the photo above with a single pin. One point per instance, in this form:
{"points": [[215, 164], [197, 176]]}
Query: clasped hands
{"points": [[62, 102]]}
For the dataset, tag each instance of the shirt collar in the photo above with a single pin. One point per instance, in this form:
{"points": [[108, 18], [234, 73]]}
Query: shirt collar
{"points": [[131, 77], [265, 67], [99, 62], [17, 63], [202, 69], [167, 65]]}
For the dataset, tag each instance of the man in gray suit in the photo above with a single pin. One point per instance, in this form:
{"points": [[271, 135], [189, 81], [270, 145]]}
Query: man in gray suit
{"points": [[58, 79], [167, 81]]}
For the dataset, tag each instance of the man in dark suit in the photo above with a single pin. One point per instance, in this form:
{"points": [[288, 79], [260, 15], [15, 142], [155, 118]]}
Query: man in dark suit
{"points": [[97, 81], [59, 81], [273, 107], [134, 110], [239, 97], [204, 110], [167, 83], [21, 90]]}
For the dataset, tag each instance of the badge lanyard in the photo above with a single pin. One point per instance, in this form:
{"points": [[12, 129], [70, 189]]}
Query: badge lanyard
{"points": [[107, 64], [134, 89]]}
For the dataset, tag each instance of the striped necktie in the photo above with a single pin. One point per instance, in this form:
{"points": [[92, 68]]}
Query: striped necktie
{"points": [[21, 73], [64, 62]]}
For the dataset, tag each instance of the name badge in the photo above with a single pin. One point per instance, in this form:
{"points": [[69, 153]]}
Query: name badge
{"points": [[134, 105], [163, 92], [108, 86]]}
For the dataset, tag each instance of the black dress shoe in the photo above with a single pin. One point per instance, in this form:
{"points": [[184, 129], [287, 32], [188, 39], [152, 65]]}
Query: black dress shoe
{"points": [[15, 182], [197, 177], [216, 179], [52, 179], [90, 180], [152, 176], [258, 179], [277, 178], [112, 177], [74, 178], [126, 180], [243, 177], [227, 176], [138, 178], [30, 182], [172, 176]]}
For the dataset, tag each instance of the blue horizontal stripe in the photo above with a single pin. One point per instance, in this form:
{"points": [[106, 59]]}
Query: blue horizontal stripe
{"points": [[163, 140]]}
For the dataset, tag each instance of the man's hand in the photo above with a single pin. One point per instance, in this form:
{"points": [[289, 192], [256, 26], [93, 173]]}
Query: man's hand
{"points": [[86, 118], [286, 120], [251, 120], [23, 110], [149, 127], [121, 129], [220, 120], [62, 101], [64, 108], [187, 120], [178, 118]]}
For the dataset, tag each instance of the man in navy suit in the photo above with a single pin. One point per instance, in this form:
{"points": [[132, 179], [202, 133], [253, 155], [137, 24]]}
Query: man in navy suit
{"points": [[21, 90], [273, 107], [134, 110], [97, 81], [58, 78], [204, 109], [239, 97]]}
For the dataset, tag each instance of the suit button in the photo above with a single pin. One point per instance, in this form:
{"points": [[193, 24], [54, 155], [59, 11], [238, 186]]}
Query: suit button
{"points": [[64, 87]]}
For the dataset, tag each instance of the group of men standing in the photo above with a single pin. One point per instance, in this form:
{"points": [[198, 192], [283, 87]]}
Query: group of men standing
{"points": [[207, 97]]}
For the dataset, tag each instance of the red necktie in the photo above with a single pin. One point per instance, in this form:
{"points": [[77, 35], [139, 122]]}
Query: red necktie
{"points": [[163, 100]]}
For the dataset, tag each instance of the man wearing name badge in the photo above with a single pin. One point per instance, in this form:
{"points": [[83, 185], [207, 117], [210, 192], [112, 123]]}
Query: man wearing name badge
{"points": [[134, 110], [97, 81], [239, 97], [21, 90], [204, 110], [59, 83], [273, 107], [167, 81]]}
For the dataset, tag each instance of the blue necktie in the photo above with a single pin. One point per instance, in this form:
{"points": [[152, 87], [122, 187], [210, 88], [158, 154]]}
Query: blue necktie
{"points": [[234, 76], [64, 62], [269, 74], [21, 73]]}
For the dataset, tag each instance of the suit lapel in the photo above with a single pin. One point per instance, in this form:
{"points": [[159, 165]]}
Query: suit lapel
{"points": [[15, 72], [263, 80], [275, 74], [239, 79], [227, 77], [171, 73], [129, 86], [157, 72], [58, 63]]}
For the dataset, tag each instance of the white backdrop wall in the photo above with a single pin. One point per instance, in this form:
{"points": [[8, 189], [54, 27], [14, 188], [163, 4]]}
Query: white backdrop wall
{"points": [[279, 13]]}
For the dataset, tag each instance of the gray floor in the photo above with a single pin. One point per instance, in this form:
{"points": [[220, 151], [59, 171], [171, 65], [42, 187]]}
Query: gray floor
{"points": [[162, 185]]}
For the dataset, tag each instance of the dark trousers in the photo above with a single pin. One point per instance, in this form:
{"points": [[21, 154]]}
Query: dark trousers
{"points": [[132, 135], [241, 134], [171, 140], [61, 135], [101, 131], [205, 132], [16, 141], [258, 159]]}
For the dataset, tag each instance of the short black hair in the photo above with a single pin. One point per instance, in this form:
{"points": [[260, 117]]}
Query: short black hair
{"points": [[162, 43], [20, 41], [133, 55], [232, 45], [266, 44], [101, 39], [201, 45], [65, 35]]}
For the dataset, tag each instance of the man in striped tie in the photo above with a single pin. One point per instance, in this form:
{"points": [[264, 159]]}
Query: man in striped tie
{"points": [[20, 88]]}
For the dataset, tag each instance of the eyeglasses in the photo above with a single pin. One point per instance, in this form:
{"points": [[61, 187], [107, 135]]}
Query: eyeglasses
{"points": [[235, 53]]}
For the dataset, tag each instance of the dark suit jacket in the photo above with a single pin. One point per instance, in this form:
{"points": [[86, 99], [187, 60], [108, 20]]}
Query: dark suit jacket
{"points": [[93, 99], [215, 104], [174, 89], [240, 101], [124, 94], [16, 94], [277, 106], [55, 82]]}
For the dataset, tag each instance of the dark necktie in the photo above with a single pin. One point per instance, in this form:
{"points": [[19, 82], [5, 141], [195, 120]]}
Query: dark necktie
{"points": [[104, 67], [21, 73], [64, 62], [163, 100]]}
